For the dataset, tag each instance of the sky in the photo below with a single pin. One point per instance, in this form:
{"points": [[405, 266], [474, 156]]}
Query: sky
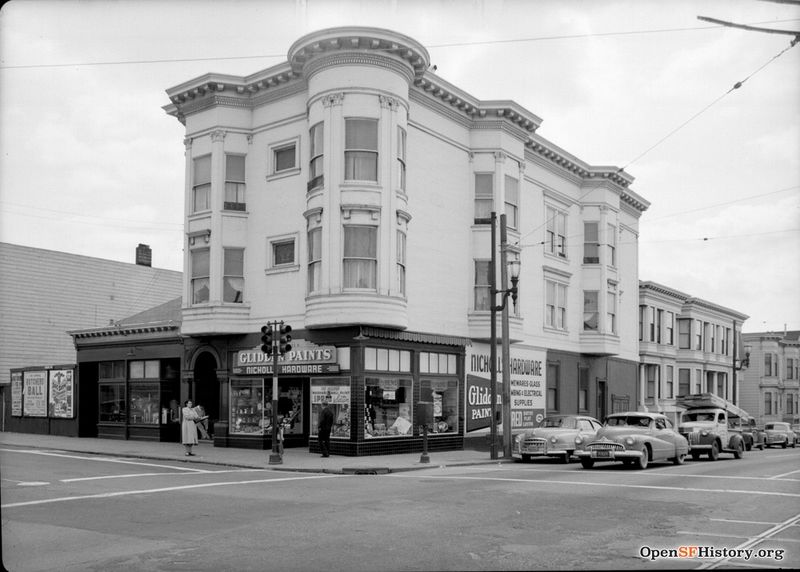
{"points": [[91, 164]]}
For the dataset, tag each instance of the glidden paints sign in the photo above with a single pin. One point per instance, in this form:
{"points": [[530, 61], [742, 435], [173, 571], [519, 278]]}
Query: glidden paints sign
{"points": [[305, 358], [527, 386]]}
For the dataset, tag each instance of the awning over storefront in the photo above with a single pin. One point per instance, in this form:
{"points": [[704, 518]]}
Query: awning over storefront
{"points": [[418, 337]]}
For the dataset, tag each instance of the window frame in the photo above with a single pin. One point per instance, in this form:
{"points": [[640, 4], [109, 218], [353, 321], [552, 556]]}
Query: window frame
{"points": [[316, 161], [556, 311], [356, 259], [402, 142], [314, 260], [511, 186], [595, 311], [353, 165], [556, 228], [205, 184], [611, 244], [477, 287], [196, 279], [402, 249], [237, 186], [595, 244], [273, 266], [481, 195], [226, 275]]}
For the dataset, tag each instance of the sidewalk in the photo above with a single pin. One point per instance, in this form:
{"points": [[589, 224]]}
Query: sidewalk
{"points": [[295, 459]]}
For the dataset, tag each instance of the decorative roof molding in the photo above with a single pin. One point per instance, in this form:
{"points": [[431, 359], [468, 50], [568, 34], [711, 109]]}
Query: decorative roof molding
{"points": [[117, 330]]}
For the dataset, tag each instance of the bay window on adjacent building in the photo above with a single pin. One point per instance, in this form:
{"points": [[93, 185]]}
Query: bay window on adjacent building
{"points": [[512, 202], [483, 290], [314, 260], [317, 145], [361, 150], [555, 315], [556, 242], [768, 403], [591, 244], [360, 259], [200, 275], [401, 262], [201, 184], [234, 182], [698, 334], [651, 372], [591, 312], [768, 364], [233, 275], [684, 334], [669, 329], [484, 197], [669, 372], [684, 381]]}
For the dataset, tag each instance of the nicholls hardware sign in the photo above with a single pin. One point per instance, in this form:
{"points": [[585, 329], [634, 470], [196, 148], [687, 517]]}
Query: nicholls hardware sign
{"points": [[305, 358]]}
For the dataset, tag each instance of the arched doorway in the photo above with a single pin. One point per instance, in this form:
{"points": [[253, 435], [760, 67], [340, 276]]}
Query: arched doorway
{"points": [[206, 387]]}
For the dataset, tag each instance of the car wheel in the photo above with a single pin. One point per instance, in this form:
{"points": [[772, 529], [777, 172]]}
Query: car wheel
{"points": [[713, 454], [526, 458], [794, 444], [748, 447], [738, 453], [587, 463], [642, 461], [679, 459], [565, 457], [695, 455], [783, 445]]}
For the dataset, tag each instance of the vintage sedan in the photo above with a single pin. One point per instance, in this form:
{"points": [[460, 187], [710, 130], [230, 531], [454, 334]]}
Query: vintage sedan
{"points": [[556, 436], [779, 434], [637, 439]]}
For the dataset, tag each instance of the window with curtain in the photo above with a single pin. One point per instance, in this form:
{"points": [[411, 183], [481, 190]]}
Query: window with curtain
{"points": [[201, 184], [361, 150], [234, 182], [401, 156], [591, 246], [555, 305], [233, 279], [401, 262], [483, 294], [512, 202], [556, 232], [200, 275], [591, 312], [360, 257], [314, 260], [484, 197], [315, 176]]}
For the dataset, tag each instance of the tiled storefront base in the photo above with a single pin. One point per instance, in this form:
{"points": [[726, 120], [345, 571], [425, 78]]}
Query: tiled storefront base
{"points": [[390, 446]]}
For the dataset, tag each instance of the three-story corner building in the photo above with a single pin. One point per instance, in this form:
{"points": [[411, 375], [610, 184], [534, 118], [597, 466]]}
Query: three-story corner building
{"points": [[687, 345], [348, 192], [770, 384]]}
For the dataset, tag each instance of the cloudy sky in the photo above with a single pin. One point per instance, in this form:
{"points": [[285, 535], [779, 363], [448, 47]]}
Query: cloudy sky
{"points": [[90, 163]]}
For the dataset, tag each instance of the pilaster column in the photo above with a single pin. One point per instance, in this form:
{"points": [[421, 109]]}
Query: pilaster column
{"points": [[333, 162], [217, 200]]}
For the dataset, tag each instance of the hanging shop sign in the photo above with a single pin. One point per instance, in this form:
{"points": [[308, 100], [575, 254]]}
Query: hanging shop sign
{"points": [[305, 358], [528, 387]]}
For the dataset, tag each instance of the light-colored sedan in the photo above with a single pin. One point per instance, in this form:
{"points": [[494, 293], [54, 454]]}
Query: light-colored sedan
{"points": [[556, 436], [779, 434], [635, 438]]}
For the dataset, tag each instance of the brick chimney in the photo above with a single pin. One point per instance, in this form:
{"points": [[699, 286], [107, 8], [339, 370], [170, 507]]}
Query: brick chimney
{"points": [[144, 256]]}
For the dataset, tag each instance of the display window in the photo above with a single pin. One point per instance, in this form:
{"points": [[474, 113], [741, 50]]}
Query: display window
{"points": [[112, 403], [144, 403], [336, 391], [387, 407], [443, 393], [249, 412]]}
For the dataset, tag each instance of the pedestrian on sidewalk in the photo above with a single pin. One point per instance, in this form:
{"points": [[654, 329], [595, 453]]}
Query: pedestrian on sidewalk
{"points": [[324, 426], [189, 427]]}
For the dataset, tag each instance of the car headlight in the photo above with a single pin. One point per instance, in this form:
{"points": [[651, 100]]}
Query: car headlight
{"points": [[704, 432], [578, 439], [629, 441], [553, 440], [517, 439]]}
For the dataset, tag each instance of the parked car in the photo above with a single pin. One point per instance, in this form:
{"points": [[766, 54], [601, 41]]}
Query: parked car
{"points": [[796, 431], [754, 437], [556, 436], [635, 438], [780, 434], [706, 425]]}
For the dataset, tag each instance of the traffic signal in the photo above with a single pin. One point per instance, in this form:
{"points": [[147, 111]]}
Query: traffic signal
{"points": [[284, 345], [266, 339]]}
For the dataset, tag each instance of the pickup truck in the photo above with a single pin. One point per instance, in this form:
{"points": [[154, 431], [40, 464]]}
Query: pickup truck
{"points": [[709, 427]]}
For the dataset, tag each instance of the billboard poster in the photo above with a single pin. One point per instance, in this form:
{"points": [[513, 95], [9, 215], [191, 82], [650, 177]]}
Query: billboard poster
{"points": [[34, 385], [16, 393], [527, 387], [62, 391]]}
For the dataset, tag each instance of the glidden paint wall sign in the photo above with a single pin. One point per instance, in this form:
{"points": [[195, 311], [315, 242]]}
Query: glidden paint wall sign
{"points": [[305, 358], [528, 386]]}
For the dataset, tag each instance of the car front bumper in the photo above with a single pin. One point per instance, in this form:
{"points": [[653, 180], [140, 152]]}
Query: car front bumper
{"points": [[609, 455]]}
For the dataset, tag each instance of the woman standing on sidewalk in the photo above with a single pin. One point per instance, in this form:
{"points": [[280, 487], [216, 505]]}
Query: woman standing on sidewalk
{"points": [[188, 427]]}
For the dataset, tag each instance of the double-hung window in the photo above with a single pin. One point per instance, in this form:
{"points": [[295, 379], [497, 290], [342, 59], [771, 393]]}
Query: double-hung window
{"points": [[200, 275], [401, 156], [611, 313], [360, 257], [591, 312], [233, 279], [556, 232], [315, 176], [361, 150], [484, 201], [314, 260], [483, 297], [591, 246], [684, 334], [512, 202], [611, 242], [234, 182], [401, 262], [201, 184], [555, 305]]}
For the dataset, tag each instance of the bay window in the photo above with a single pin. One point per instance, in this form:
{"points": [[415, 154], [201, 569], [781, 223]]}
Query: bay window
{"points": [[360, 257], [512, 202], [314, 260], [315, 176], [401, 156], [233, 279], [591, 245], [201, 184], [200, 275], [483, 290], [555, 305], [401, 262], [556, 242], [591, 313], [361, 150], [234, 182], [484, 197]]}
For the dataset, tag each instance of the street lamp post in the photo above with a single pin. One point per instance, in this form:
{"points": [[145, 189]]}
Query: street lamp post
{"points": [[507, 267]]}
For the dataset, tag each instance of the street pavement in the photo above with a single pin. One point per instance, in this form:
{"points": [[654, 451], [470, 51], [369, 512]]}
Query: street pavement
{"points": [[294, 459]]}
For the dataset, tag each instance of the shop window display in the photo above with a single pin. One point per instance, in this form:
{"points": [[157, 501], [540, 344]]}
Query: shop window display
{"points": [[251, 414], [335, 391], [443, 393], [112, 403], [387, 407], [144, 400]]}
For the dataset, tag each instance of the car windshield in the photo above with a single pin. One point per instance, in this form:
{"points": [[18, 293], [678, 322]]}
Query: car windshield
{"points": [[563, 422], [698, 416], [629, 420], [776, 426]]}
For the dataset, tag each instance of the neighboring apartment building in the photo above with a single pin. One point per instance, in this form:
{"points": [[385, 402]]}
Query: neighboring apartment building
{"points": [[348, 192], [770, 384], [687, 345], [45, 293]]}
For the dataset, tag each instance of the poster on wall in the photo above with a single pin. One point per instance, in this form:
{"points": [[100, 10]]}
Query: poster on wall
{"points": [[34, 399], [527, 387], [62, 391], [16, 393]]}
